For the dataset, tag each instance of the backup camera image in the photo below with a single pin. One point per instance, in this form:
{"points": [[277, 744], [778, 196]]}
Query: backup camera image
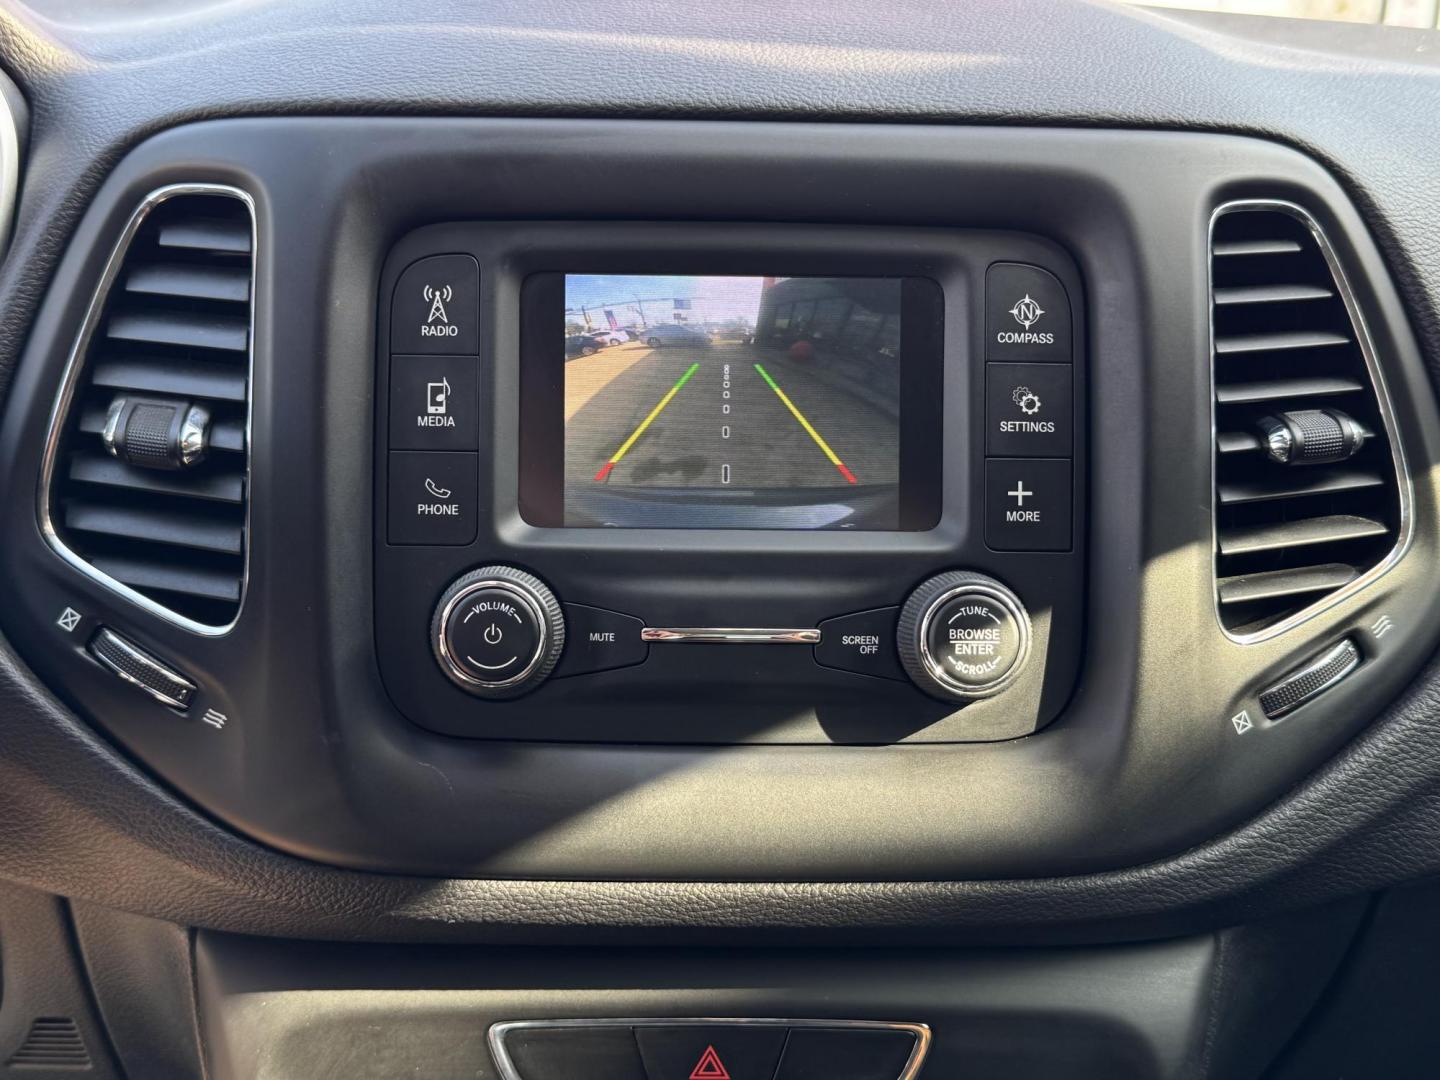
{"points": [[732, 402]]}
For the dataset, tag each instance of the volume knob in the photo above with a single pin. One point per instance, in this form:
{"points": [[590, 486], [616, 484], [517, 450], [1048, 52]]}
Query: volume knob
{"points": [[963, 636], [497, 632]]}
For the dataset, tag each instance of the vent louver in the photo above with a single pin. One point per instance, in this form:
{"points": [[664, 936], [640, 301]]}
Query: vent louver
{"points": [[170, 335], [1308, 497]]}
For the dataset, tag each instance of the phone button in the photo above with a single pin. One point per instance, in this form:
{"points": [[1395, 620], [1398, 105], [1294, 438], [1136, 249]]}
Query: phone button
{"points": [[433, 497], [434, 403]]}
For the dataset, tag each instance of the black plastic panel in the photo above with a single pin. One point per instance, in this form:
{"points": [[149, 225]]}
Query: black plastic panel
{"points": [[315, 759], [735, 693], [1220, 1005]]}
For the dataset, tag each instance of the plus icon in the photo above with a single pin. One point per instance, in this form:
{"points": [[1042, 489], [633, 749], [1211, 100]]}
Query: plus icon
{"points": [[1019, 494]]}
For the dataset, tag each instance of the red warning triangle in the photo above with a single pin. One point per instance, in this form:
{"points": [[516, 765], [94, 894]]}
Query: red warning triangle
{"points": [[710, 1067]]}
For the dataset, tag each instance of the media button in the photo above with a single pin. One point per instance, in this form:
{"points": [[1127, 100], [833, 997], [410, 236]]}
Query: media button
{"points": [[434, 403], [434, 497], [1027, 314], [436, 307], [1028, 410], [1027, 504], [599, 640]]}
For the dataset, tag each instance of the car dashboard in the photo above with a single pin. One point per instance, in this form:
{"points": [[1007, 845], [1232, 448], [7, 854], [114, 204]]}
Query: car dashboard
{"points": [[857, 544]]}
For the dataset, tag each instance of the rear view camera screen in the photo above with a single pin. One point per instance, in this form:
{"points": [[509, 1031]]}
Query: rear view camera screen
{"points": [[734, 402]]}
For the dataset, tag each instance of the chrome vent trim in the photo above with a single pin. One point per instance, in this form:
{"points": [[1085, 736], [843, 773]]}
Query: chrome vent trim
{"points": [[71, 382], [1405, 529]]}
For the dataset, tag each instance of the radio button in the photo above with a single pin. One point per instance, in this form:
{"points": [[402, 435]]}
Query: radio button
{"points": [[599, 640], [434, 403], [1028, 410], [1027, 314], [863, 643], [1027, 504], [436, 307]]}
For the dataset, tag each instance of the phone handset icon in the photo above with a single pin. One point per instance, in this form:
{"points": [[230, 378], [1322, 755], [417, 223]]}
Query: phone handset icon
{"points": [[436, 490]]}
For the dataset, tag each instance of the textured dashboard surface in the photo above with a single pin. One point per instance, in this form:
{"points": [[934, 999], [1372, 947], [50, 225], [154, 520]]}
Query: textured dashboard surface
{"points": [[77, 819]]}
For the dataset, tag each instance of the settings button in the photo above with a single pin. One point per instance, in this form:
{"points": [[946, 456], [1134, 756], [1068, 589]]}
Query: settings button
{"points": [[1028, 410]]}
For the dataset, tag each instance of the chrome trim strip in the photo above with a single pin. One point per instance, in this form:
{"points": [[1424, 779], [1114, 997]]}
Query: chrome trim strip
{"points": [[542, 635], [937, 671], [74, 368], [145, 660], [498, 1032], [9, 169], [1403, 483], [729, 635]]}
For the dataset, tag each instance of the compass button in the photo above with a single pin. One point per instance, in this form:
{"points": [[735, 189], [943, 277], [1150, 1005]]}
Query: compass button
{"points": [[1027, 314]]}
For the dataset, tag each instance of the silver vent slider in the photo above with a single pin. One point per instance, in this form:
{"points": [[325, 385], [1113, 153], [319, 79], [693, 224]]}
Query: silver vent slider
{"points": [[156, 433], [1312, 436]]}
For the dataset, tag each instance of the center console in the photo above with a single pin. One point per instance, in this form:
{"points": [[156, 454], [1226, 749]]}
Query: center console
{"points": [[824, 483]]}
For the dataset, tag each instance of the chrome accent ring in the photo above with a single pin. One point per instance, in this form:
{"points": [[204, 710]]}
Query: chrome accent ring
{"points": [[937, 671], [442, 640]]}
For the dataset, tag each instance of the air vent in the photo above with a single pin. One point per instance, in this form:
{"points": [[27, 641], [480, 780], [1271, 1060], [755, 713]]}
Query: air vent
{"points": [[1307, 489], [147, 472], [53, 1042]]}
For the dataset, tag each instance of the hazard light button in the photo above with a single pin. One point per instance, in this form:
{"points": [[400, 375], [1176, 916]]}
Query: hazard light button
{"points": [[711, 1051]]}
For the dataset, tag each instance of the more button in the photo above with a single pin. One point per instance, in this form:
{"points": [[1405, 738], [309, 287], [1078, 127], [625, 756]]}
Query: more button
{"points": [[1027, 504]]}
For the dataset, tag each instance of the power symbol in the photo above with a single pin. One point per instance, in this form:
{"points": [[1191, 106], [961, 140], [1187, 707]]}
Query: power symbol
{"points": [[493, 634]]}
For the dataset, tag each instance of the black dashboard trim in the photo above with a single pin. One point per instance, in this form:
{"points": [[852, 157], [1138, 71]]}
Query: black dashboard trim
{"points": [[1083, 799]]}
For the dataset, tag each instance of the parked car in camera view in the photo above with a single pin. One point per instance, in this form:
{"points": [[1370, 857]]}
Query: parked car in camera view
{"points": [[580, 345], [610, 337], [660, 336]]}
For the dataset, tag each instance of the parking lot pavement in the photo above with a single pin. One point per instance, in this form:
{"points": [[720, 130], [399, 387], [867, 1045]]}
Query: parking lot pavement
{"points": [[727, 415]]}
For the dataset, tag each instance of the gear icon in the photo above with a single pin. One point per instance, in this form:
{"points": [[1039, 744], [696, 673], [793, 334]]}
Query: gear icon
{"points": [[1027, 399]]}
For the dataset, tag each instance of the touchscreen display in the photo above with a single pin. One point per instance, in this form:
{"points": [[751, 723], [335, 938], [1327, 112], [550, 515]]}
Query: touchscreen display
{"points": [[732, 402]]}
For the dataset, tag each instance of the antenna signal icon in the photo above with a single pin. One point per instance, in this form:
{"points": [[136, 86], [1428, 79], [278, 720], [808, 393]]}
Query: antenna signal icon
{"points": [[438, 298]]}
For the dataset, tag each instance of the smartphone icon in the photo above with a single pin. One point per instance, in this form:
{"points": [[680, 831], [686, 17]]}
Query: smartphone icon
{"points": [[437, 397], [436, 490]]}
